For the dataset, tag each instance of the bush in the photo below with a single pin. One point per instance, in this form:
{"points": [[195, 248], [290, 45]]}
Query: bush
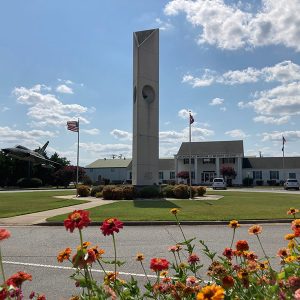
{"points": [[83, 191], [29, 182], [117, 193], [259, 182], [168, 191], [248, 181], [107, 192], [99, 195], [181, 191], [128, 192], [149, 192], [201, 190], [96, 189]]}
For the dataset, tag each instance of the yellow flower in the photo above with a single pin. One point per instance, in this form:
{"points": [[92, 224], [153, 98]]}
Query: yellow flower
{"points": [[163, 273], [84, 245], [291, 244], [211, 292], [290, 258], [292, 211], [234, 224], [263, 265], [174, 211], [289, 236], [255, 229], [139, 257]]}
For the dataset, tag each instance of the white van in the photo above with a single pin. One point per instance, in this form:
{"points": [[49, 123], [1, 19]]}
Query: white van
{"points": [[219, 183]]}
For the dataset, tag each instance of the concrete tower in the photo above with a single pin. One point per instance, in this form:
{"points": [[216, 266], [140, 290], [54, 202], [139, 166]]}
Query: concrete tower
{"points": [[145, 149]]}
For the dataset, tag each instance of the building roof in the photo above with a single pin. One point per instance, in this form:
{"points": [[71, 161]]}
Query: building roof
{"points": [[109, 163], [166, 164], [212, 148], [271, 163]]}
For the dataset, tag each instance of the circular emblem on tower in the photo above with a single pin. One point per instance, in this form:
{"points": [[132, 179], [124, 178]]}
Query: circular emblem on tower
{"points": [[148, 93]]}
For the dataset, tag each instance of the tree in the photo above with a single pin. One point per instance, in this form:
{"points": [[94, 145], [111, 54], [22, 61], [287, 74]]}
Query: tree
{"points": [[183, 175], [67, 174], [228, 172]]}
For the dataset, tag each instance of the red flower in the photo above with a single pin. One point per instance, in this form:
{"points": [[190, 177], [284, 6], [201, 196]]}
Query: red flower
{"points": [[77, 219], [4, 234], [109, 226], [17, 279], [228, 252], [227, 281], [159, 264], [3, 294], [193, 258], [41, 297], [242, 245]]}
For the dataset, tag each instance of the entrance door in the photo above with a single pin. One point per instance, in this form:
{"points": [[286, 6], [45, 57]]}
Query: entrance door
{"points": [[208, 176]]}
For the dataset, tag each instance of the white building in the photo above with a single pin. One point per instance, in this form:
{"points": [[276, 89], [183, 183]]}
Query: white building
{"points": [[207, 161]]}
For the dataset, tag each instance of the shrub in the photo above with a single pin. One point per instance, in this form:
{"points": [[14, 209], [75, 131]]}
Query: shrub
{"points": [[96, 189], [107, 192], [83, 191], [99, 195], [29, 182], [247, 181], [181, 191], [128, 192], [117, 193], [149, 192], [259, 182], [201, 190], [168, 191]]}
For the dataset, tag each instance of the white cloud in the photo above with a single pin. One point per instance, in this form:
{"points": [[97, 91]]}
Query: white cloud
{"points": [[290, 136], [64, 89], [163, 25], [272, 120], [46, 109], [223, 108], [236, 133], [216, 101], [121, 135], [93, 131], [229, 27], [240, 76], [4, 109], [206, 79], [185, 113]]}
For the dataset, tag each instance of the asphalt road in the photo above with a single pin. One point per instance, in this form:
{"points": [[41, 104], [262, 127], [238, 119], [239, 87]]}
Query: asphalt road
{"points": [[33, 249]]}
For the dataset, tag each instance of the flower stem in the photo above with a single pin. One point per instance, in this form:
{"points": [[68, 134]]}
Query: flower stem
{"points": [[264, 251], [115, 252], [232, 238], [178, 223], [145, 272], [1, 266]]}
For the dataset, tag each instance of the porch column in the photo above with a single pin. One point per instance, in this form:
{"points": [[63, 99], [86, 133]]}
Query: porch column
{"points": [[196, 170], [176, 168], [239, 178], [218, 166]]}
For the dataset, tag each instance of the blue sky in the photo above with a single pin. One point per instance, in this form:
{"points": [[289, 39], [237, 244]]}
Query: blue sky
{"points": [[234, 64]]}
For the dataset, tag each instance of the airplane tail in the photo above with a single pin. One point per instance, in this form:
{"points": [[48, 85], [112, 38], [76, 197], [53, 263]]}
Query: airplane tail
{"points": [[41, 150]]}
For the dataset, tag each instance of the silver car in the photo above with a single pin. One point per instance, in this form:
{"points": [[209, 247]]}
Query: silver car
{"points": [[219, 183], [291, 184]]}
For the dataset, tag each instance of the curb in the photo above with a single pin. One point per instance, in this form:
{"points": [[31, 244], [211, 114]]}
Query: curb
{"points": [[167, 223]]}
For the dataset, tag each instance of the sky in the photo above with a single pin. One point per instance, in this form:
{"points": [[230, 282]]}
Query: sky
{"points": [[234, 64]]}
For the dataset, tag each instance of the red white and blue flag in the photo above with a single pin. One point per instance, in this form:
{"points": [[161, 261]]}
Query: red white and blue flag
{"points": [[283, 142], [73, 126], [191, 119]]}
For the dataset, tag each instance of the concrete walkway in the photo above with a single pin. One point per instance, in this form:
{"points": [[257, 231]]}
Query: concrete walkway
{"points": [[40, 217]]}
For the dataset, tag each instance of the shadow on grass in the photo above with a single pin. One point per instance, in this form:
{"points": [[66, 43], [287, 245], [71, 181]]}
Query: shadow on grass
{"points": [[158, 203]]}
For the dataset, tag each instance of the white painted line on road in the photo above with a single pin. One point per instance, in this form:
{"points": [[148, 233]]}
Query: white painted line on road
{"points": [[69, 268]]}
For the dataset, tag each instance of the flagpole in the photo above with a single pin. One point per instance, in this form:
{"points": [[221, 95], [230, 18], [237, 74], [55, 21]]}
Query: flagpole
{"points": [[190, 154], [77, 168], [283, 158]]}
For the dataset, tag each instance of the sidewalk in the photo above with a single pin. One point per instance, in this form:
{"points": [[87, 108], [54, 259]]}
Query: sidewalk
{"points": [[40, 217]]}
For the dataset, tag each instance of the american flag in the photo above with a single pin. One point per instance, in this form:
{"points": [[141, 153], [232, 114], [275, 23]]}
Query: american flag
{"points": [[191, 119], [283, 142], [73, 126]]}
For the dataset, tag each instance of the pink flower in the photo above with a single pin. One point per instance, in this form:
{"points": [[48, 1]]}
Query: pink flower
{"points": [[4, 234], [297, 295], [109, 226]]}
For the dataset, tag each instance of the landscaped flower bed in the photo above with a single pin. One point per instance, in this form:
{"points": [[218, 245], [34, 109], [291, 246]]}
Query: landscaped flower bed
{"points": [[236, 273]]}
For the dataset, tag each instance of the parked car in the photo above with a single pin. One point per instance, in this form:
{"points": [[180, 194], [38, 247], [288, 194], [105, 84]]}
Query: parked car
{"points": [[291, 184], [219, 183]]}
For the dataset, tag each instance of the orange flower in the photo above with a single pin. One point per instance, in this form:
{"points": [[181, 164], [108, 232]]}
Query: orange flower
{"points": [[289, 236], [251, 255], [227, 282], [211, 292], [84, 245], [159, 264], [283, 252], [4, 234], [174, 211], [242, 245], [139, 257], [64, 255], [110, 277], [77, 219], [255, 229], [175, 248], [17, 279], [111, 225], [292, 211], [98, 252], [296, 227], [234, 224]]}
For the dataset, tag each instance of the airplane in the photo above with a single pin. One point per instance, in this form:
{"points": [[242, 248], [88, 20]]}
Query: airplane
{"points": [[34, 156]]}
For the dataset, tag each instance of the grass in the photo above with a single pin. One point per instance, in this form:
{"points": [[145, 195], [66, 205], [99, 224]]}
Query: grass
{"points": [[234, 205], [14, 204]]}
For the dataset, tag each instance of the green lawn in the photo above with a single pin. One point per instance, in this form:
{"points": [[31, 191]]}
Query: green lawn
{"points": [[234, 205], [13, 204]]}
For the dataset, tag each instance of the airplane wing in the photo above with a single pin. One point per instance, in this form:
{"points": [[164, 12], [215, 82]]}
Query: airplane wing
{"points": [[38, 157]]}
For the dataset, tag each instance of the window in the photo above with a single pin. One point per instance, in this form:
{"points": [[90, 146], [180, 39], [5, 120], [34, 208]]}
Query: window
{"points": [[228, 160], [91, 170], [209, 161], [172, 175], [186, 161], [274, 175], [292, 175], [193, 175], [161, 175], [257, 175]]}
